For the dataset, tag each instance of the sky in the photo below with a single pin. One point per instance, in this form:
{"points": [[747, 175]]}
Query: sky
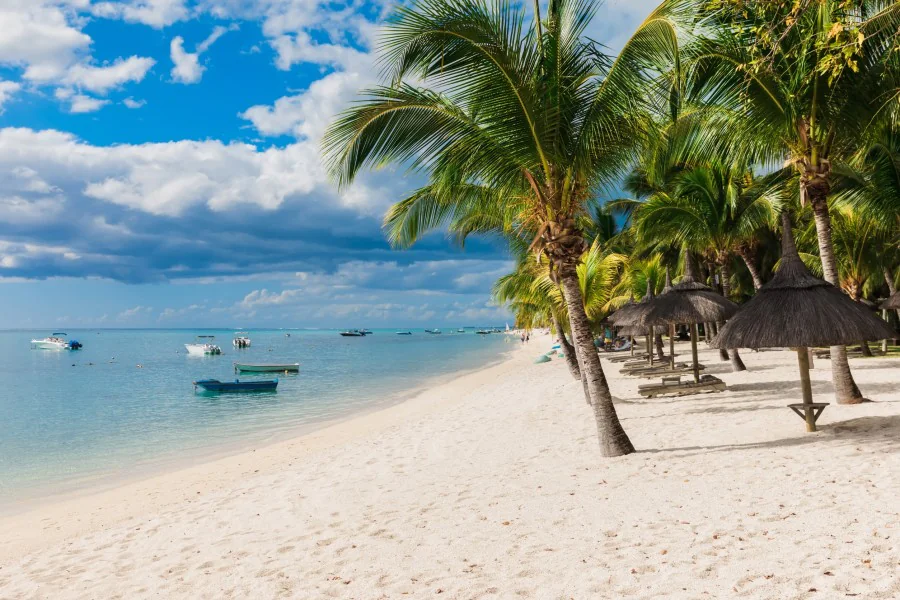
{"points": [[160, 167]]}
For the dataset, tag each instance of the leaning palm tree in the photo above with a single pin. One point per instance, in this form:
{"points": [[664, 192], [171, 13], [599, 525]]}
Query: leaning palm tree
{"points": [[803, 83], [511, 105]]}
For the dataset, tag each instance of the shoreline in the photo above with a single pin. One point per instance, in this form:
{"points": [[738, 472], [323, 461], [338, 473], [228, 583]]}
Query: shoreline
{"points": [[85, 502], [36, 496], [492, 486]]}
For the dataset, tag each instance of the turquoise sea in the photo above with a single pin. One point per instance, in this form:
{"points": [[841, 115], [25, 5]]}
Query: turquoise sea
{"points": [[71, 419]]}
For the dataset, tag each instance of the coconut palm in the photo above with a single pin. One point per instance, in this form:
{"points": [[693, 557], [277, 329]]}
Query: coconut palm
{"points": [[801, 82], [511, 105]]}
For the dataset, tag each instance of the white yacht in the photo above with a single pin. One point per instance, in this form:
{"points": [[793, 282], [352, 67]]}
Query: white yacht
{"points": [[241, 340], [203, 348], [57, 341]]}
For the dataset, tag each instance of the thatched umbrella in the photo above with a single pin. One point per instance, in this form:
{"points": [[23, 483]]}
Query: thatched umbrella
{"points": [[622, 313], [798, 310], [633, 317], [892, 303], [689, 302]]}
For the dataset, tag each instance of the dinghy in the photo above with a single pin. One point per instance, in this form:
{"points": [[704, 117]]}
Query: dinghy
{"points": [[214, 385], [267, 367]]}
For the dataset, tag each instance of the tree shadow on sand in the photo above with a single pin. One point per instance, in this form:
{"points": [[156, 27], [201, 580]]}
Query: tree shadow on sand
{"points": [[881, 433]]}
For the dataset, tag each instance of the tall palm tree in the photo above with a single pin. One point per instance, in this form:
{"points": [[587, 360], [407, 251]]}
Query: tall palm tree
{"points": [[708, 210], [802, 82], [511, 104]]}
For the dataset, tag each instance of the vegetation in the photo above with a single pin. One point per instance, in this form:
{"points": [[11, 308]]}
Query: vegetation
{"points": [[714, 117]]}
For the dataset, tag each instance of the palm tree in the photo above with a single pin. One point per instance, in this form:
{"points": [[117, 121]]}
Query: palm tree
{"points": [[801, 82], [511, 105], [708, 210]]}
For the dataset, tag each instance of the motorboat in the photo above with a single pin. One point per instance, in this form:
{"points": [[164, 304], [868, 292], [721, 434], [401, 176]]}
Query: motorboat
{"points": [[214, 385], [267, 367], [366, 331], [433, 331], [404, 333], [484, 332], [202, 347], [460, 330], [56, 341], [353, 333], [241, 340]]}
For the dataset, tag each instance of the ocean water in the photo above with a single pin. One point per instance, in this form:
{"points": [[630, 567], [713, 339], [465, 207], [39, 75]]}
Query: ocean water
{"points": [[71, 419]]}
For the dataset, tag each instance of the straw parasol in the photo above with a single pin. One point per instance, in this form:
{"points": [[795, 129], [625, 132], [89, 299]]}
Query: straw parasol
{"points": [[892, 303], [689, 302], [633, 317], [797, 310]]}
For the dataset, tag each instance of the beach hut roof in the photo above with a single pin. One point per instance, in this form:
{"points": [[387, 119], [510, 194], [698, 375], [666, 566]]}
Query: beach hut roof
{"points": [[634, 312], [688, 302], [797, 309], [892, 303], [633, 331]]}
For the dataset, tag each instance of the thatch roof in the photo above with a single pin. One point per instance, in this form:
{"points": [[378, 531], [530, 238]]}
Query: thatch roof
{"points": [[634, 331], [797, 309], [892, 303], [688, 302], [635, 311], [623, 311]]}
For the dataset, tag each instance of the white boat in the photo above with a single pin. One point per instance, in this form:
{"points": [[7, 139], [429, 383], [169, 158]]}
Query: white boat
{"points": [[241, 340], [201, 348], [57, 341]]}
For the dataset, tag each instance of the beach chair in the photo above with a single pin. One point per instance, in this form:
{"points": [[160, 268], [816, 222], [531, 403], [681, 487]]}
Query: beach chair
{"points": [[673, 386], [665, 371]]}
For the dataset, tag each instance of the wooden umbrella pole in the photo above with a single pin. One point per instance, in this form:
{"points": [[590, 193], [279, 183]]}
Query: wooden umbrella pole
{"points": [[672, 346], [806, 386], [695, 332], [631, 337], [650, 346]]}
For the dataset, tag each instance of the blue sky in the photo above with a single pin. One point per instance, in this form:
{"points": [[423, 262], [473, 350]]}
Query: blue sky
{"points": [[159, 167]]}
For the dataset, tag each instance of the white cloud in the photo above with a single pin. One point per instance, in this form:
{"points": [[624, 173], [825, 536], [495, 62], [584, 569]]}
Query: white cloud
{"points": [[155, 13], [80, 103], [101, 79], [187, 68], [134, 312], [7, 90], [38, 35], [133, 104]]}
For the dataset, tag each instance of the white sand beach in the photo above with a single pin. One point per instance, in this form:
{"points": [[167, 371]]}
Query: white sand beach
{"points": [[491, 486]]}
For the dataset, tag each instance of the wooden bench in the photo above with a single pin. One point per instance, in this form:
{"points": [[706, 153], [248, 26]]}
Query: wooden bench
{"points": [[707, 384], [814, 408]]}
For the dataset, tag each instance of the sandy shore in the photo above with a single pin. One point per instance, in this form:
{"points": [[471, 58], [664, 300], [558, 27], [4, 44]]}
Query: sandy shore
{"points": [[490, 486]]}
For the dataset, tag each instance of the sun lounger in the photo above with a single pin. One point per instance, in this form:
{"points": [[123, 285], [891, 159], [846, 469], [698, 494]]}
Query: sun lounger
{"points": [[673, 387], [664, 370]]}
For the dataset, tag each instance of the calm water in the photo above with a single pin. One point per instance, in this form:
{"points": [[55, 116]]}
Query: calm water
{"points": [[69, 419]]}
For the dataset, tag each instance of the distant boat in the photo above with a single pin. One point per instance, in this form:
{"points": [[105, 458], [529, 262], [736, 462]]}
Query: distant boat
{"points": [[287, 335], [433, 331], [484, 332], [57, 341], [214, 385], [404, 333], [366, 331], [241, 340], [267, 367], [353, 333], [201, 348], [460, 330]]}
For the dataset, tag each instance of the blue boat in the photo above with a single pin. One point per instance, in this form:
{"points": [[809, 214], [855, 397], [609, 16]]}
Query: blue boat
{"points": [[214, 385]]}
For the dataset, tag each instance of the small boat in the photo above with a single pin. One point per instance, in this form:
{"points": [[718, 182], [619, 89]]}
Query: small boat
{"points": [[214, 385], [353, 333], [484, 332], [201, 348], [241, 340], [404, 333], [433, 331], [460, 330], [366, 331], [267, 367], [56, 341]]}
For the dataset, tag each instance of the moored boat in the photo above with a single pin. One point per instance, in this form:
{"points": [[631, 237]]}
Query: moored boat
{"points": [[203, 348], [267, 367], [353, 333], [241, 340], [404, 333], [433, 331], [214, 385], [56, 341]]}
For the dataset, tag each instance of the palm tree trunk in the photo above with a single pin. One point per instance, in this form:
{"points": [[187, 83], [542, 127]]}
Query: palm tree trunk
{"points": [[567, 349], [712, 332], [845, 389], [660, 352], [736, 363], [864, 346], [613, 439], [889, 280], [748, 255]]}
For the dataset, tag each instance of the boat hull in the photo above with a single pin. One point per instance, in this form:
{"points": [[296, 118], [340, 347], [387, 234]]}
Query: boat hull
{"points": [[267, 368], [47, 345], [236, 386], [202, 350]]}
